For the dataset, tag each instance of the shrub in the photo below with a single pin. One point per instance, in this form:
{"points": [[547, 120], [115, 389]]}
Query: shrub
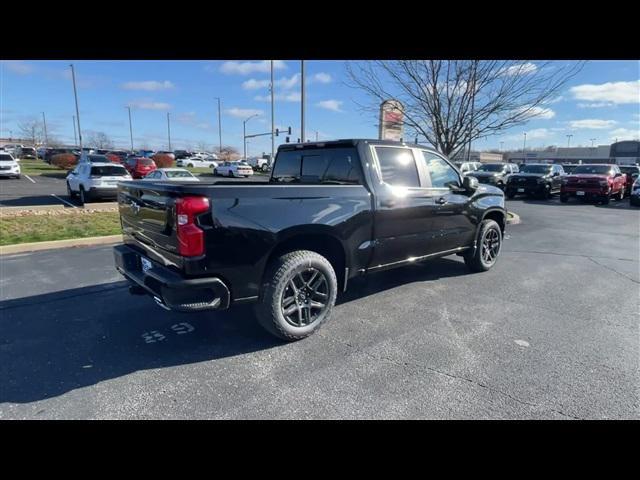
{"points": [[64, 160], [163, 160]]}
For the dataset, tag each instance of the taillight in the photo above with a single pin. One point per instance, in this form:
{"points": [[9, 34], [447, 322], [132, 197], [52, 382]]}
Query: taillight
{"points": [[190, 236]]}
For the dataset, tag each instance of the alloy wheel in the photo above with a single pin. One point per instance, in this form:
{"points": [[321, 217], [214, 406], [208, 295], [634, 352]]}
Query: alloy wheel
{"points": [[490, 246], [305, 297]]}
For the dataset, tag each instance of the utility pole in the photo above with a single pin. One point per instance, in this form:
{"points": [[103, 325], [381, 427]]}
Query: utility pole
{"points": [[302, 100], [273, 123], [169, 130], [130, 128], [46, 139], [219, 128], [75, 94], [244, 134], [524, 147], [569, 140], [75, 136]]}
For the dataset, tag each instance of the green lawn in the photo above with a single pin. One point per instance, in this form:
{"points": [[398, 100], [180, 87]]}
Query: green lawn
{"points": [[39, 167], [39, 228]]}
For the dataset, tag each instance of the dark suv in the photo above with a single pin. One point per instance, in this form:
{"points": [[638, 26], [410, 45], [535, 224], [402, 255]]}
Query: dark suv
{"points": [[632, 172], [539, 179], [495, 174]]}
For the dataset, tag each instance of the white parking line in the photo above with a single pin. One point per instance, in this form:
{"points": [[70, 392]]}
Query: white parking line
{"points": [[31, 179], [63, 200]]}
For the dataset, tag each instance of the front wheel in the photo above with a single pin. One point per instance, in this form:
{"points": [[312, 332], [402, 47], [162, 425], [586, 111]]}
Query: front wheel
{"points": [[70, 192], [190, 165], [83, 196], [488, 247], [265, 168], [298, 294]]}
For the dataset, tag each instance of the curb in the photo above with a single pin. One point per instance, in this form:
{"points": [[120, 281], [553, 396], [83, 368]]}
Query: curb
{"points": [[513, 218], [71, 242], [41, 208]]}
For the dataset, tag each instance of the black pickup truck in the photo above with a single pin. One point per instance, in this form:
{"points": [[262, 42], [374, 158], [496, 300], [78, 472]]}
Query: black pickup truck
{"points": [[329, 212]]}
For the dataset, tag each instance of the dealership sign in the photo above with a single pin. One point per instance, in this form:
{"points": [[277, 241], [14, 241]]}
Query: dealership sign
{"points": [[391, 120]]}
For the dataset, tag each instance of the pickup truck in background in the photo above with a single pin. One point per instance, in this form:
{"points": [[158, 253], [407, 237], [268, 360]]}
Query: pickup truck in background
{"points": [[594, 181], [331, 211]]}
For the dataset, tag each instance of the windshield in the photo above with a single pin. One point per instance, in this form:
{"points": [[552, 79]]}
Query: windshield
{"points": [[178, 174], [535, 169], [630, 170], [109, 171], [6, 158], [593, 169], [491, 167]]}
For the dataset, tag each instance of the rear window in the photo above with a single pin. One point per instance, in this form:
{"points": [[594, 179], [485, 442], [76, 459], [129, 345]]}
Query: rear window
{"points": [[326, 165], [98, 159], [593, 169], [109, 171]]}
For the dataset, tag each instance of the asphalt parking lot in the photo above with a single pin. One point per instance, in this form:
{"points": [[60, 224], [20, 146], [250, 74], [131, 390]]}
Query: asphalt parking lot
{"points": [[551, 332]]}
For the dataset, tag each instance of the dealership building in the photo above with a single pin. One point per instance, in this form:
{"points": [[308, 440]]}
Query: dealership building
{"points": [[622, 153]]}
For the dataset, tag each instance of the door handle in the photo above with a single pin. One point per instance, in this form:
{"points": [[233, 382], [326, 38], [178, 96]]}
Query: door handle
{"points": [[441, 201]]}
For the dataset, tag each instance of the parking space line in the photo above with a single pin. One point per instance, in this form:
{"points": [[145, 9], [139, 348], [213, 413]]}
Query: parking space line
{"points": [[31, 179], [63, 200]]}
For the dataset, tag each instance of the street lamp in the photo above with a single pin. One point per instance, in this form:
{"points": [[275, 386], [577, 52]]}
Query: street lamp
{"points": [[244, 133], [592, 140], [524, 147], [130, 128], [169, 130], [75, 94], [219, 128], [569, 140]]}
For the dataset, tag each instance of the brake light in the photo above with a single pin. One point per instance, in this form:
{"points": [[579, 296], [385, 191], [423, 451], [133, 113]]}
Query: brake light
{"points": [[190, 236]]}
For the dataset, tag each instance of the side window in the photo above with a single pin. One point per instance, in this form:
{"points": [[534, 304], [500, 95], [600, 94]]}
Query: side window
{"points": [[335, 165], [398, 166], [441, 173]]}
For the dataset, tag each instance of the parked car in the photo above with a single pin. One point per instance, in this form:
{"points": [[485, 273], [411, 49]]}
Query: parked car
{"points": [[261, 164], [91, 181], [93, 158], [197, 162], [233, 169], [8, 166], [632, 172], [172, 174], [139, 167], [180, 154], [495, 173], [535, 179], [332, 211], [466, 167], [594, 181], [634, 197], [28, 152], [13, 149]]}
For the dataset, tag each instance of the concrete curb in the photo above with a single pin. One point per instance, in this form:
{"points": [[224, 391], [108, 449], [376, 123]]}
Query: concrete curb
{"points": [[40, 208], [513, 218], [72, 242]]}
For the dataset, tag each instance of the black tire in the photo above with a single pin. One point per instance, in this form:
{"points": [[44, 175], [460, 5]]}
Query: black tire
{"points": [[546, 194], [280, 273], [564, 198], [190, 165], [265, 167], [215, 172], [230, 173], [70, 192], [83, 196], [621, 194], [605, 200], [482, 260], [510, 194]]}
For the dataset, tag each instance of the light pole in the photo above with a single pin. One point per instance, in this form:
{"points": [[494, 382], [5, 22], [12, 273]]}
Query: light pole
{"points": [[130, 128], [46, 139], [592, 140], [169, 130], [317, 136], [524, 147], [75, 94], [273, 123], [244, 134], [569, 140], [75, 136], [302, 97], [219, 128]]}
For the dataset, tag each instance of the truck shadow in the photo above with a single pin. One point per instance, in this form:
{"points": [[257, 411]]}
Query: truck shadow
{"points": [[58, 342]]}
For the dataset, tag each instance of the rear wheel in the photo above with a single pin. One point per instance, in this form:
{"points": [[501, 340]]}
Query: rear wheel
{"points": [[265, 167], [564, 198], [298, 294], [487, 249], [83, 195], [190, 165], [230, 173]]}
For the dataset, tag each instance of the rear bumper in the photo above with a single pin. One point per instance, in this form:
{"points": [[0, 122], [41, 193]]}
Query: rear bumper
{"points": [[9, 173], [102, 192], [168, 289]]}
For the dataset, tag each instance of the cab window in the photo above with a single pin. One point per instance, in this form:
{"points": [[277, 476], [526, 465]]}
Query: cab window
{"points": [[397, 166], [442, 174]]}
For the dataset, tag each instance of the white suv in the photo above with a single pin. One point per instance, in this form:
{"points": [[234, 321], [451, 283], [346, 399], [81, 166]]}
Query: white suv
{"points": [[96, 180], [8, 166]]}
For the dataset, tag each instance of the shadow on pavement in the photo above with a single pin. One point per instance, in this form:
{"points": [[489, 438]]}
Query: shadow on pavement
{"points": [[54, 343]]}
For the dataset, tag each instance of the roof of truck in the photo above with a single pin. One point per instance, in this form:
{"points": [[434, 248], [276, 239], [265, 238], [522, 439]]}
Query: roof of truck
{"points": [[351, 141]]}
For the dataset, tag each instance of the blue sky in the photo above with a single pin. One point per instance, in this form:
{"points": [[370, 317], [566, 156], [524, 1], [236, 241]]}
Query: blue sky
{"points": [[601, 102]]}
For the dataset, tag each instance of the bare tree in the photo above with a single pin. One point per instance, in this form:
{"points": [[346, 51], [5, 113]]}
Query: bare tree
{"points": [[99, 140], [202, 146], [453, 102], [32, 131], [228, 153]]}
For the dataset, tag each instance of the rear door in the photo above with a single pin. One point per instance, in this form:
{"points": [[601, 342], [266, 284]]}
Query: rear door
{"points": [[404, 208]]}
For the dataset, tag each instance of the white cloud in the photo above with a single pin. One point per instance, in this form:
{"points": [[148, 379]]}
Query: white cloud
{"points": [[625, 134], [243, 112], [245, 68], [520, 69], [284, 83], [612, 92], [148, 85], [333, 105], [284, 97], [149, 105], [18, 66], [592, 123], [535, 134], [539, 112], [596, 105], [321, 77]]}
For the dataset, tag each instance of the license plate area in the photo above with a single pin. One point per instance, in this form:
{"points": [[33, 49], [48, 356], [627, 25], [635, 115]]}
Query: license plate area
{"points": [[521, 190], [580, 194]]}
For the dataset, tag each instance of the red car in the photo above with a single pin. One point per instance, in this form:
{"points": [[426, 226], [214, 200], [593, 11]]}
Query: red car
{"points": [[594, 181], [139, 167]]}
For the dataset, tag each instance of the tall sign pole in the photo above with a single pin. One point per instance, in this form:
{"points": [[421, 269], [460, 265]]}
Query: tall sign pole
{"points": [[75, 94], [46, 139], [169, 130], [130, 129], [302, 98], [219, 128], [273, 140]]}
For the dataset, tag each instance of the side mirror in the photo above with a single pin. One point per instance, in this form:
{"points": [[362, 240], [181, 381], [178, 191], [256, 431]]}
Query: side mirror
{"points": [[470, 184]]}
